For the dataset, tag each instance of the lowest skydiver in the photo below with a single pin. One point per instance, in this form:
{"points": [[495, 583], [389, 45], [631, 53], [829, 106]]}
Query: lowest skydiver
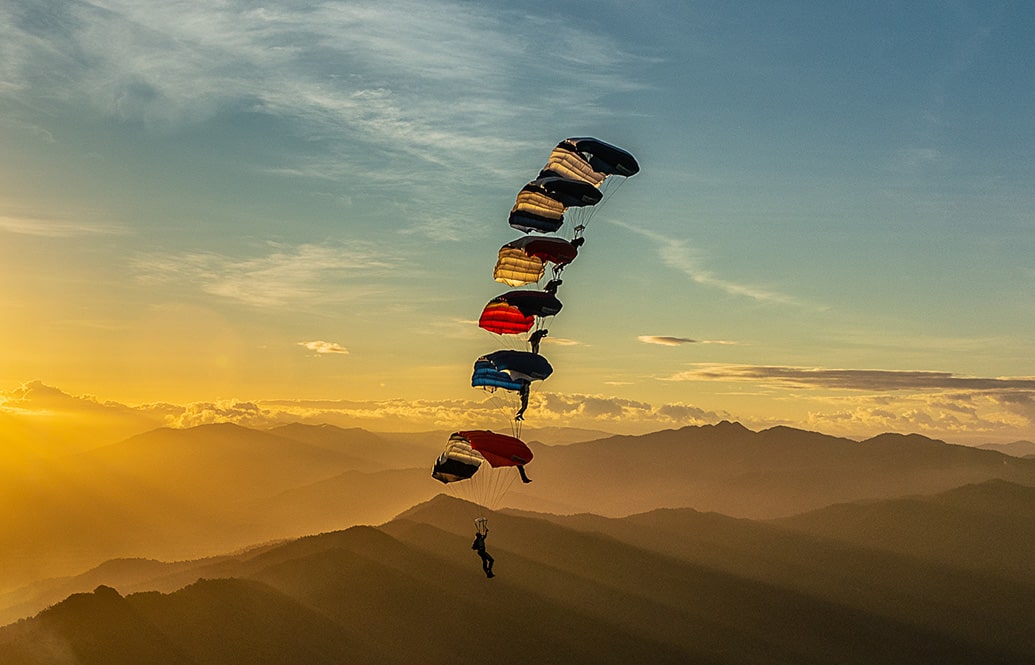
{"points": [[479, 546]]}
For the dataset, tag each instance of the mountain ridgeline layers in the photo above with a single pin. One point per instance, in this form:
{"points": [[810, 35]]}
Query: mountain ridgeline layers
{"points": [[668, 586], [703, 544]]}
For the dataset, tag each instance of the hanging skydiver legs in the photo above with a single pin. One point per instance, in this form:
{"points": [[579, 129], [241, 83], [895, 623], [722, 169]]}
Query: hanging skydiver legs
{"points": [[525, 389], [479, 546]]}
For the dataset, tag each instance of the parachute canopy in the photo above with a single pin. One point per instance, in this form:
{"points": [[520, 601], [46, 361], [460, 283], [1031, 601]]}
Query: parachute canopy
{"points": [[467, 450], [514, 312], [509, 370], [589, 160], [523, 261], [541, 203]]}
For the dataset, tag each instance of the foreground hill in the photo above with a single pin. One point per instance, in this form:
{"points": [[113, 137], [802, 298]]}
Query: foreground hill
{"points": [[591, 591]]}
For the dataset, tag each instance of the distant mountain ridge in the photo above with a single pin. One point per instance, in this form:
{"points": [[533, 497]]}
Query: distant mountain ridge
{"points": [[730, 469], [1014, 448]]}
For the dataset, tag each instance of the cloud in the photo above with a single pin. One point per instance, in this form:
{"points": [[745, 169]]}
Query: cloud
{"points": [[851, 379], [41, 420], [681, 256], [618, 414], [320, 347], [666, 341], [963, 417], [55, 228], [288, 275], [424, 79], [914, 160], [110, 421], [39, 417], [248, 414]]}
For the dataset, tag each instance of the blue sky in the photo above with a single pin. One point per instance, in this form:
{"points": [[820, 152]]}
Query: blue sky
{"points": [[223, 203]]}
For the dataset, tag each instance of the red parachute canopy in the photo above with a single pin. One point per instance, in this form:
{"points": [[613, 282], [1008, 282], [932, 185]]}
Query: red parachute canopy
{"points": [[514, 312], [498, 449]]}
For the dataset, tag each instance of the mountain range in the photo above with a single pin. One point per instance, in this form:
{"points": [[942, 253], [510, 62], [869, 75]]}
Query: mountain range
{"points": [[666, 586], [768, 507]]}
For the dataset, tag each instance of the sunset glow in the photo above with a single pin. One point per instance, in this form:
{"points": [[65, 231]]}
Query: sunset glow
{"points": [[269, 214]]}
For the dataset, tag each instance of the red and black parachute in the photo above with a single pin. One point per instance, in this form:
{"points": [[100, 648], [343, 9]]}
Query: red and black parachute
{"points": [[516, 312]]}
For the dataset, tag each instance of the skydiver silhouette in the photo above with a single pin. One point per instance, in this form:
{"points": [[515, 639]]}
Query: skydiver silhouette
{"points": [[525, 387], [551, 286], [536, 338], [479, 546], [524, 477]]}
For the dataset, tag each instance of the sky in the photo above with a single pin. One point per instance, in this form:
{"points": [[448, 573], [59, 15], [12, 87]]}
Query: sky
{"points": [[261, 212]]}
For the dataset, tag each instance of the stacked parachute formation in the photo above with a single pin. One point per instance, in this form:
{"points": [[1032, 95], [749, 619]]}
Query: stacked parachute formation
{"points": [[580, 173]]}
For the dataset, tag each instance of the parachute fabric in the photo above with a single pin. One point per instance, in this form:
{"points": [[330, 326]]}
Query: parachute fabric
{"points": [[523, 261], [474, 465], [515, 312]]}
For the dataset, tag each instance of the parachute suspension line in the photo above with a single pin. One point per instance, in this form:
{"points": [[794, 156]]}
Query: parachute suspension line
{"points": [[585, 215], [500, 480], [513, 342]]}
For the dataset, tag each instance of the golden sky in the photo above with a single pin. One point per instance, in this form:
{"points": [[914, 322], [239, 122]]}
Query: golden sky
{"points": [[271, 214]]}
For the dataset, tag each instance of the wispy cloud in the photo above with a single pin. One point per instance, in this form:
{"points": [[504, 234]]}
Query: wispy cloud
{"points": [[680, 255], [288, 275], [321, 347], [851, 379], [429, 79], [55, 228], [665, 340]]}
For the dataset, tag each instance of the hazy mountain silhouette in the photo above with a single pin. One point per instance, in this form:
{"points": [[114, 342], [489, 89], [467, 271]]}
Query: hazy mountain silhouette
{"points": [[905, 586], [988, 527], [1014, 448], [183, 494], [592, 591], [367, 451], [729, 469]]}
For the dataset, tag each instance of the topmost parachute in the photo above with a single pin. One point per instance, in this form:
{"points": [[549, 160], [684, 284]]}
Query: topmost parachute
{"points": [[589, 160]]}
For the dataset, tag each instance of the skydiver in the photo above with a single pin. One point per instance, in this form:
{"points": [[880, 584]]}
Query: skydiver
{"points": [[577, 241], [536, 338], [479, 546], [551, 286], [525, 388]]}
